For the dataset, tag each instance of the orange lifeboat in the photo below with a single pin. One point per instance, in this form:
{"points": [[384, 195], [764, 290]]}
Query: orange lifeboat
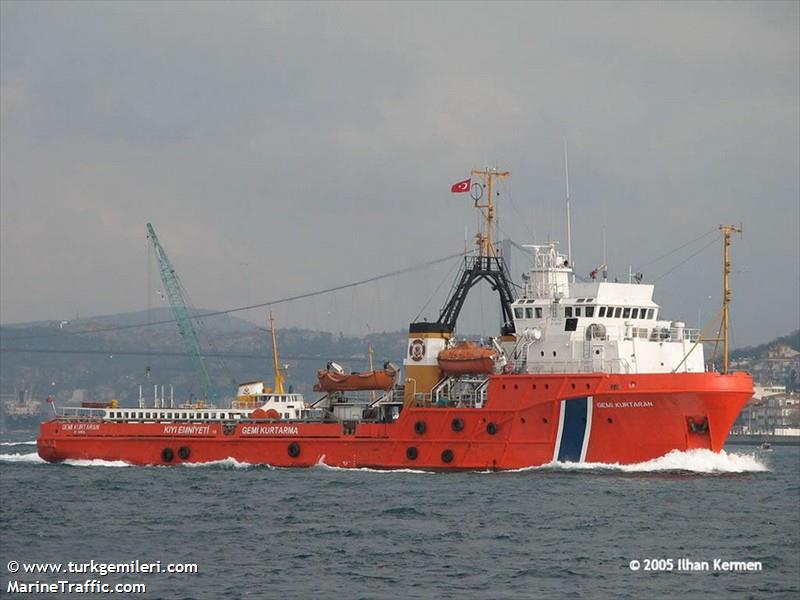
{"points": [[333, 381], [466, 358]]}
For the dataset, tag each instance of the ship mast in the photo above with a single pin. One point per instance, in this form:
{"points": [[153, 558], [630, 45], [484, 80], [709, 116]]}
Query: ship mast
{"points": [[569, 223], [371, 368], [278, 374], [484, 239], [726, 230]]}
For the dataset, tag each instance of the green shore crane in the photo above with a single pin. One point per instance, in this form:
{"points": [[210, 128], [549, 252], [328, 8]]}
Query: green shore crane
{"points": [[174, 291]]}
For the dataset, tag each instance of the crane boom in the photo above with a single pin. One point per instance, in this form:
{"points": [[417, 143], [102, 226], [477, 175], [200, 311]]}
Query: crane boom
{"points": [[172, 287]]}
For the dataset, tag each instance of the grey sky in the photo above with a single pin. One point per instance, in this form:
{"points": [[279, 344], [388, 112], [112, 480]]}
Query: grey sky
{"points": [[280, 148]]}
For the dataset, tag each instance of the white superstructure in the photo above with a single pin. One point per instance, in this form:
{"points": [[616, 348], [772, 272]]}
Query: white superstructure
{"points": [[564, 327]]}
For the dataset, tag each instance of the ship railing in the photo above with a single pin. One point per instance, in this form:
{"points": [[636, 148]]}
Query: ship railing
{"points": [[80, 413], [615, 365], [422, 399], [673, 334]]}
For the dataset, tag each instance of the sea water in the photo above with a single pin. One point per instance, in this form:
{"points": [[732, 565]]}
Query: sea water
{"points": [[558, 531]]}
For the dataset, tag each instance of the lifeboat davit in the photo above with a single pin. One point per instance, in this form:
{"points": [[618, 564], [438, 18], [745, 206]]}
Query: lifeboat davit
{"points": [[466, 358], [333, 381]]}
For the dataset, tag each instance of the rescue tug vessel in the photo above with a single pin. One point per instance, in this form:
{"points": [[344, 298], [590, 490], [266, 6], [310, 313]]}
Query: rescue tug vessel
{"points": [[583, 371]]}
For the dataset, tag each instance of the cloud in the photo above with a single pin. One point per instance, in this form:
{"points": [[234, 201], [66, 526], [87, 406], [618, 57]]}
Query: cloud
{"points": [[315, 143]]}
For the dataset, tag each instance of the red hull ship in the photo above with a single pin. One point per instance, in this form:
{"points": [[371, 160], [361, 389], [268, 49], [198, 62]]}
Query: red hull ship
{"points": [[581, 372], [530, 420]]}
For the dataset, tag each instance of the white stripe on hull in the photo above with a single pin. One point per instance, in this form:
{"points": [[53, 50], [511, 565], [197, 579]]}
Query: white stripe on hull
{"points": [[557, 446], [588, 431]]}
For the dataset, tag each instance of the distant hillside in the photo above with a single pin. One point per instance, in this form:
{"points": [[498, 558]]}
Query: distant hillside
{"points": [[53, 358], [792, 340], [215, 324]]}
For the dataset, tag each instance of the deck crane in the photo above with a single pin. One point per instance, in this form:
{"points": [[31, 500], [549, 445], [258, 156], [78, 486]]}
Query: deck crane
{"points": [[174, 291]]}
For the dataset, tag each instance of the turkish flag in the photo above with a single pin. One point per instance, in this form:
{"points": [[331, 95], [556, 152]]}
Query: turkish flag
{"points": [[461, 186]]}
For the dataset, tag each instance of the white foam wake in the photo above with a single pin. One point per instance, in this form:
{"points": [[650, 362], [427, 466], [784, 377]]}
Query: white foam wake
{"points": [[230, 463], [34, 458], [693, 461], [28, 443], [96, 462], [370, 470], [321, 464], [21, 458]]}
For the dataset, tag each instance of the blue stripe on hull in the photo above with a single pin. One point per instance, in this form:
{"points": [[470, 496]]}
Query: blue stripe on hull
{"points": [[574, 429]]}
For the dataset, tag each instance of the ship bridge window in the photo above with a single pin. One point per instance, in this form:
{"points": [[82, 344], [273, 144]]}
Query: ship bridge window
{"points": [[538, 312], [626, 313], [528, 312], [590, 311], [568, 311], [650, 313], [617, 312], [577, 311], [581, 300], [602, 312], [635, 313], [518, 313]]}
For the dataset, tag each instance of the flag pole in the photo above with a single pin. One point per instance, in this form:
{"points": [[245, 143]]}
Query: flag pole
{"points": [[569, 224]]}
